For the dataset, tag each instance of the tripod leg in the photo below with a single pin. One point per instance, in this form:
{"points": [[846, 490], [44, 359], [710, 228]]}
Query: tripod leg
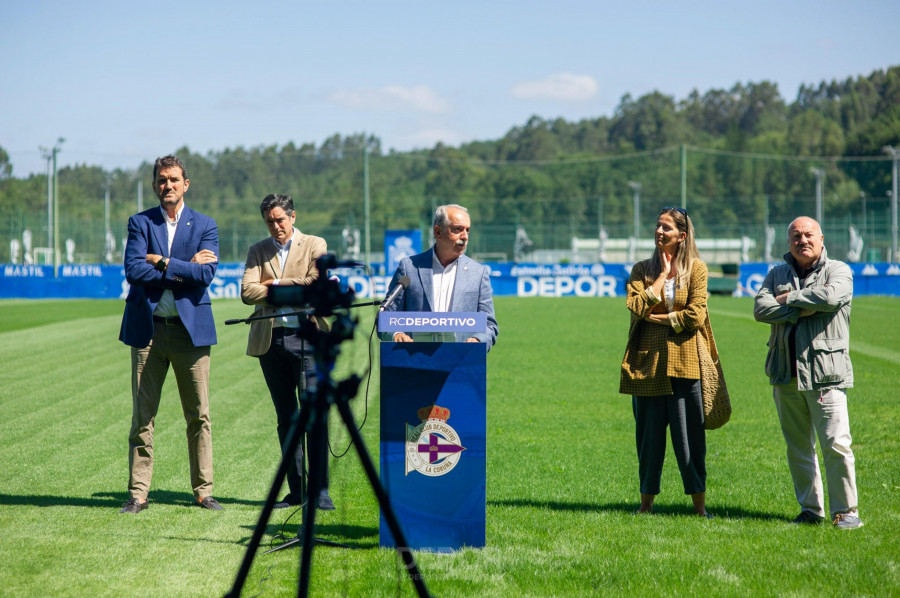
{"points": [[317, 456], [383, 500], [293, 439]]}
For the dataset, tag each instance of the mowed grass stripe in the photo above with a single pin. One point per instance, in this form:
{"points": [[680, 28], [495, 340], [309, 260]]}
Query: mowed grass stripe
{"points": [[874, 351], [75, 371], [561, 487]]}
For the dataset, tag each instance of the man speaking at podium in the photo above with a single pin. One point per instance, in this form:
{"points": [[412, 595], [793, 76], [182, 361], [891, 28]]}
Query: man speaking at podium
{"points": [[444, 279]]}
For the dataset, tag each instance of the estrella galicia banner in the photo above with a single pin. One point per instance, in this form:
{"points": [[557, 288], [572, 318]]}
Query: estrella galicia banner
{"points": [[526, 280], [95, 281], [433, 441]]}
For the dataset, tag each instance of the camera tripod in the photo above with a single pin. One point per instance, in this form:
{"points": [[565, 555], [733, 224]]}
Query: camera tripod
{"points": [[312, 419]]}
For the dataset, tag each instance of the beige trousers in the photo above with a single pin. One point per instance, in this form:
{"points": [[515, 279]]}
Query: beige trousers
{"points": [[171, 344], [803, 416]]}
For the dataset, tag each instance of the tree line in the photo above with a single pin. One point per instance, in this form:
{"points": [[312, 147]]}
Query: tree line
{"points": [[746, 148]]}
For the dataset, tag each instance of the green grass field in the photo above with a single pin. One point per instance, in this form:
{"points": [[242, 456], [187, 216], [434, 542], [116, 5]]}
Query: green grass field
{"points": [[562, 471]]}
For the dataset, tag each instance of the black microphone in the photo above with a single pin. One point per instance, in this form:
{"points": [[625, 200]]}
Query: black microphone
{"points": [[389, 300]]}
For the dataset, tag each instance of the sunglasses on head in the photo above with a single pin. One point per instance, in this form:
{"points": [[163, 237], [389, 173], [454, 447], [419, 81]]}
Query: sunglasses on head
{"points": [[682, 211]]}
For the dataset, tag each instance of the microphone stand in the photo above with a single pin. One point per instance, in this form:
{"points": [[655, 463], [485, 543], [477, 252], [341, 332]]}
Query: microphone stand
{"points": [[303, 311], [367, 303]]}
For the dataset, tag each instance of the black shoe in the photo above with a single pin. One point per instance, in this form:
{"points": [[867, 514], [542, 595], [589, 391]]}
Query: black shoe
{"points": [[210, 503], [134, 505], [325, 503], [807, 517], [287, 501]]}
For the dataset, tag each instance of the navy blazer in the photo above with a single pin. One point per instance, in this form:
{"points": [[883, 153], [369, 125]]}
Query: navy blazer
{"points": [[188, 281], [472, 291]]}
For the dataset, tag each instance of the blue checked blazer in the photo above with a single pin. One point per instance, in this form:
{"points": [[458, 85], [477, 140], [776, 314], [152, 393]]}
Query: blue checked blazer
{"points": [[472, 291], [189, 282]]}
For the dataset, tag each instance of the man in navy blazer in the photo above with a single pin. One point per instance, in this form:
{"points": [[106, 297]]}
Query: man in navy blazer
{"points": [[170, 260], [444, 279]]}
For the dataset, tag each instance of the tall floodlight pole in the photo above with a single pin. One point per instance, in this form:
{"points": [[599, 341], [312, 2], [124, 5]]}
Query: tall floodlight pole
{"points": [[819, 173], [637, 208], [106, 217], [46, 153], [894, 153], [366, 204], [54, 151]]}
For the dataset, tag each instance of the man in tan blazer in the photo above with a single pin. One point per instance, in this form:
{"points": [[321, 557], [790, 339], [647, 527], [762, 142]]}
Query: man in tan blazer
{"points": [[287, 257]]}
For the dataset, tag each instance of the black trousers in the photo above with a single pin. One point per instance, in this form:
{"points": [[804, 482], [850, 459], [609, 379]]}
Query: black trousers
{"points": [[289, 370], [682, 413]]}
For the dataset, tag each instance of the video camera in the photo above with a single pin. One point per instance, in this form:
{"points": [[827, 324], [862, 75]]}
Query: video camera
{"points": [[323, 295]]}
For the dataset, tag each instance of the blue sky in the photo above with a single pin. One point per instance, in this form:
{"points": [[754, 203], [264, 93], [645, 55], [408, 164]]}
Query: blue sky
{"points": [[125, 82]]}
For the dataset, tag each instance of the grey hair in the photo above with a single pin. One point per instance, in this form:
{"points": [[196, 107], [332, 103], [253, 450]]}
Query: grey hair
{"points": [[441, 218]]}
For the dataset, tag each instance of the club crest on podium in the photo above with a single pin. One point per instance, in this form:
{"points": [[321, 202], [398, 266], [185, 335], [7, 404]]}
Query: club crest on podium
{"points": [[433, 447]]}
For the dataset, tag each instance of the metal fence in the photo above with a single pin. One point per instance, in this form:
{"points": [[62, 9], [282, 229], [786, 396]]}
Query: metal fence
{"points": [[852, 235], [605, 208]]}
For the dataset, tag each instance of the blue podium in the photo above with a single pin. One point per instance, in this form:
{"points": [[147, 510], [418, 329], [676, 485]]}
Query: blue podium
{"points": [[433, 431]]}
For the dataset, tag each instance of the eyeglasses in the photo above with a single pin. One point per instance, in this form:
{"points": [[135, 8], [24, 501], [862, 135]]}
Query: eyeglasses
{"points": [[682, 211]]}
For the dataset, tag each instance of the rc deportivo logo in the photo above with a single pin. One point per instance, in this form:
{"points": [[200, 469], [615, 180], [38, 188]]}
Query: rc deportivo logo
{"points": [[432, 447]]}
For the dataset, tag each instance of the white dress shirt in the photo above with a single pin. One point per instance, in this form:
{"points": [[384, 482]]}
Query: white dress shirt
{"points": [[166, 306], [443, 281], [283, 250]]}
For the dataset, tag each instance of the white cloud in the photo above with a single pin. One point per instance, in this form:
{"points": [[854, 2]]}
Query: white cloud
{"points": [[419, 98], [561, 86]]}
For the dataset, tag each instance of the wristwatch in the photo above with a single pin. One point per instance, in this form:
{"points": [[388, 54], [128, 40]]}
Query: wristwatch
{"points": [[162, 264]]}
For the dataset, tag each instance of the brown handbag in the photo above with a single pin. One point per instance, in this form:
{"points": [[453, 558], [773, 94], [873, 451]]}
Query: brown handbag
{"points": [[716, 403]]}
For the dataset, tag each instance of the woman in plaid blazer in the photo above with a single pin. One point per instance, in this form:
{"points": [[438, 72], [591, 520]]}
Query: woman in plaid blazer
{"points": [[666, 296]]}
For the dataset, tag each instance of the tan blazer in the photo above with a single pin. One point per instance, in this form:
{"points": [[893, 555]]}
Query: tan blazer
{"points": [[655, 352], [262, 265]]}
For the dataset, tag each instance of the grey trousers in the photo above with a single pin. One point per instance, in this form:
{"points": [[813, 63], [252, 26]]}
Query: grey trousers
{"points": [[682, 413]]}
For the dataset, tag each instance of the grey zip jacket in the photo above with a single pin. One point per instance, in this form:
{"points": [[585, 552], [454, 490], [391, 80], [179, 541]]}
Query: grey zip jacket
{"points": [[823, 338]]}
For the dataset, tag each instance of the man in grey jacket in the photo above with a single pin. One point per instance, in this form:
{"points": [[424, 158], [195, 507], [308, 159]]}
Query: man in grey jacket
{"points": [[444, 279], [807, 303]]}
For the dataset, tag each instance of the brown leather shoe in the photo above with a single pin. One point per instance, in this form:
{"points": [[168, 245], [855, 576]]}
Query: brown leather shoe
{"points": [[134, 505], [210, 503]]}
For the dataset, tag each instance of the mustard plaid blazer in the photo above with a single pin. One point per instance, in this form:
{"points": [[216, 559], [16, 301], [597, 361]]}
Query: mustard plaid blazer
{"points": [[656, 352]]}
